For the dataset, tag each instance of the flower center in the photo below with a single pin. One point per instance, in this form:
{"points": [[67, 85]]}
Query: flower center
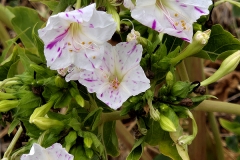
{"points": [[161, 4], [114, 83], [79, 42]]}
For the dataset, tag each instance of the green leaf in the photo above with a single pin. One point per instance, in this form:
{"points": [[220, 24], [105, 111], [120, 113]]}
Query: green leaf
{"points": [[31, 130], [220, 42], [110, 138], [153, 133], [64, 100], [26, 18], [232, 143], [78, 153], [62, 5], [13, 125], [137, 150], [230, 126], [13, 70], [51, 4], [93, 118]]}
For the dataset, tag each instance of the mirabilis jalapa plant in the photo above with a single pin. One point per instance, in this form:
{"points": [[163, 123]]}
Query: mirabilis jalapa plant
{"points": [[73, 79]]}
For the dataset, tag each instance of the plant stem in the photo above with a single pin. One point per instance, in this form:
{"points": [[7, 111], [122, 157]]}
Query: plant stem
{"points": [[182, 71], [4, 35], [112, 116], [6, 16], [13, 142], [217, 106], [78, 4], [217, 138]]}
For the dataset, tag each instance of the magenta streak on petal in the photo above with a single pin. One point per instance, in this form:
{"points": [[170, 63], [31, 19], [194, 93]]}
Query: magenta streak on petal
{"points": [[198, 9], [90, 80], [57, 39], [59, 55], [66, 15], [134, 47], [154, 24], [185, 39], [91, 26], [101, 95], [79, 10], [183, 5]]}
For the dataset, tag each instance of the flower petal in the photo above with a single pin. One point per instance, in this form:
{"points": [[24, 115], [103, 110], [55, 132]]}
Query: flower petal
{"points": [[174, 17], [135, 81], [36, 153], [56, 152], [128, 55], [114, 98], [100, 27]]}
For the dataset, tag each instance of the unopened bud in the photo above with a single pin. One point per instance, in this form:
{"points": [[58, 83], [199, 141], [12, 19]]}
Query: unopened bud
{"points": [[4, 96], [70, 139], [6, 105], [89, 152], [200, 39], [75, 94], [169, 78], [133, 35], [227, 66], [88, 142], [60, 82], [41, 111], [167, 124], [111, 10], [47, 123]]}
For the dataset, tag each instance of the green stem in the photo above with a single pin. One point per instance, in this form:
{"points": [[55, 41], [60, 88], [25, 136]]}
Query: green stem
{"points": [[4, 35], [182, 71], [217, 106], [13, 142], [78, 4], [6, 16], [217, 138], [112, 116]]}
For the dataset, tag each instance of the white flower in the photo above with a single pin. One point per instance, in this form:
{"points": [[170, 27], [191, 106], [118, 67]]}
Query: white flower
{"points": [[174, 17], [119, 76], [77, 37], [54, 152], [128, 4]]}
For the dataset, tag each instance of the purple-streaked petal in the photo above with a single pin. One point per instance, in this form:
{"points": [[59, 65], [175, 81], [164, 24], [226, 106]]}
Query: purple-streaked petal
{"points": [[135, 81], [56, 152], [128, 55], [174, 17], [36, 153]]}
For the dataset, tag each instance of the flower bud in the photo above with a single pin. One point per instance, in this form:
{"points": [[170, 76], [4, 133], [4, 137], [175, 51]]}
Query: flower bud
{"points": [[62, 71], [180, 89], [167, 124], [89, 152], [88, 142], [47, 123], [111, 10], [60, 82], [38, 69], [6, 105], [169, 78], [4, 96], [227, 66], [200, 39], [41, 111], [75, 94], [70, 139], [133, 35]]}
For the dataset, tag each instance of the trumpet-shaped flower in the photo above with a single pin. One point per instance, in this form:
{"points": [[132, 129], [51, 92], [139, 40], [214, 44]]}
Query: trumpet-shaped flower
{"points": [[119, 76], [54, 152], [77, 37], [174, 17]]}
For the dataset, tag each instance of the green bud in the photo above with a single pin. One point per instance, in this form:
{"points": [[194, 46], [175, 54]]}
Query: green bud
{"points": [[197, 27], [164, 108], [47, 123], [154, 113], [143, 41], [227, 66], [134, 99], [75, 94], [38, 69], [163, 91], [60, 82], [149, 94], [70, 139], [169, 78], [200, 39], [89, 152], [180, 89], [4, 96], [88, 142], [167, 124], [6, 105], [41, 111]]}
